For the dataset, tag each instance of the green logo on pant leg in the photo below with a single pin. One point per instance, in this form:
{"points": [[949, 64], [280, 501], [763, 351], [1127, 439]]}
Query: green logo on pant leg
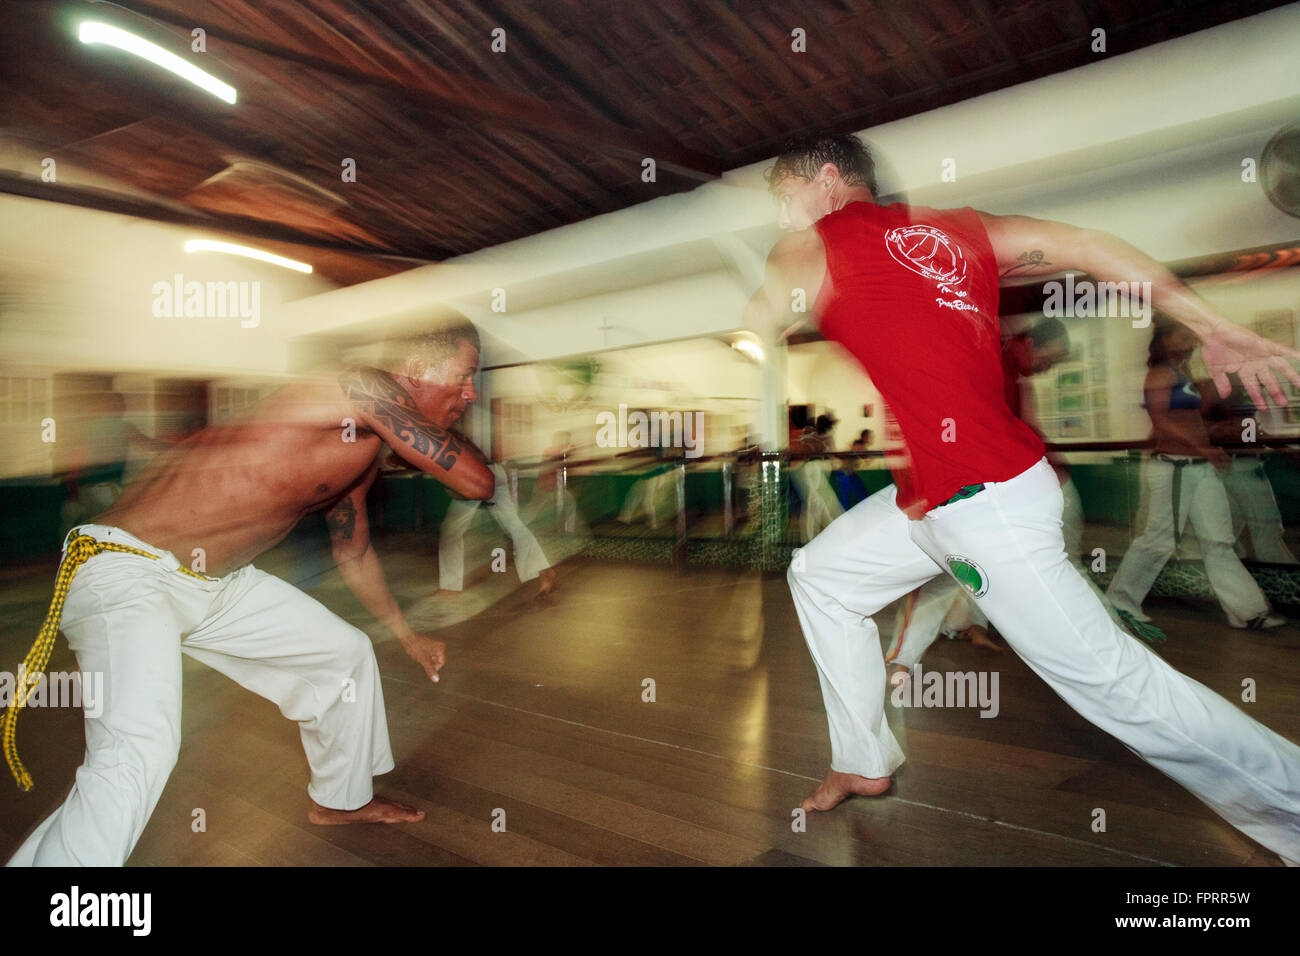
{"points": [[968, 573]]}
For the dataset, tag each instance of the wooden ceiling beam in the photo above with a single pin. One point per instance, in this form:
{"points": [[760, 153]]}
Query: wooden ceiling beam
{"points": [[430, 86], [160, 211]]}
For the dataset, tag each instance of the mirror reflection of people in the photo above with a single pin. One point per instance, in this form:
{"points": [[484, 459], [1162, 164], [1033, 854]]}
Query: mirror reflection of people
{"points": [[1181, 487], [1256, 517], [544, 501], [820, 506], [849, 487], [530, 559], [653, 496]]}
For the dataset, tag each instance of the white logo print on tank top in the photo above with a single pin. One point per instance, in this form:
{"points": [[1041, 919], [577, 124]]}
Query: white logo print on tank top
{"points": [[930, 253]]}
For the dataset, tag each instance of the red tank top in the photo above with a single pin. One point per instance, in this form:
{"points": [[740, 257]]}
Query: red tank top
{"points": [[912, 293]]}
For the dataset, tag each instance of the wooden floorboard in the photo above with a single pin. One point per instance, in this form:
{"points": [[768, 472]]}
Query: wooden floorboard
{"points": [[541, 715]]}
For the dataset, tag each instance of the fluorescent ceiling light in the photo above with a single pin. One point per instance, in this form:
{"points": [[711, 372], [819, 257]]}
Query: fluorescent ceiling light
{"points": [[90, 31], [211, 245]]}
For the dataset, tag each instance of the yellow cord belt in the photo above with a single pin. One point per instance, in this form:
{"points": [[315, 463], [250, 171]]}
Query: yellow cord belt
{"points": [[80, 550]]}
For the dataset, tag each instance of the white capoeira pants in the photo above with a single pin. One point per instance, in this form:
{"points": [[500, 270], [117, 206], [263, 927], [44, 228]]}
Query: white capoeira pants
{"points": [[943, 606], [530, 560], [1010, 533], [131, 618], [1202, 502], [650, 494], [1254, 509]]}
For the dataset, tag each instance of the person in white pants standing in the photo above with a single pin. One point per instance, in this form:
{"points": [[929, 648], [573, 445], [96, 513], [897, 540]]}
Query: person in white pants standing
{"points": [[530, 560], [1234, 425], [820, 506], [1254, 510], [912, 293], [1181, 486]]}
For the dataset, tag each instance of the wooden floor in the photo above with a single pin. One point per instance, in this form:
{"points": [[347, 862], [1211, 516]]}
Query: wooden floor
{"points": [[540, 715]]}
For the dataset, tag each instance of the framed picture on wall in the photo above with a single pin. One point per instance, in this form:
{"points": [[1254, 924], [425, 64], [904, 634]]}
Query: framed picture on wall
{"points": [[1099, 398], [1069, 380], [1101, 425], [1072, 401], [1097, 374]]}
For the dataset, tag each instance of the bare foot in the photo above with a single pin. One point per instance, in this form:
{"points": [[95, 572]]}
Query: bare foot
{"points": [[979, 638], [837, 787], [547, 578], [378, 810]]}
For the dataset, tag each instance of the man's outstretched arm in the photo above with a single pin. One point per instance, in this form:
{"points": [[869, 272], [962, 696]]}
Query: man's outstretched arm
{"points": [[383, 407], [359, 565], [1036, 247]]}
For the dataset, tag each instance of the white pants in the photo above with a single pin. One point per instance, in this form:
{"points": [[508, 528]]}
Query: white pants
{"points": [[1010, 534], [131, 618], [530, 560], [1254, 508], [650, 495], [1203, 502], [820, 506], [943, 606]]}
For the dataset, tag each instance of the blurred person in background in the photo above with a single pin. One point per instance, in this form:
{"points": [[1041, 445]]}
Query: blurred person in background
{"points": [[1181, 485], [546, 499], [1255, 514], [812, 477], [848, 484], [530, 560]]}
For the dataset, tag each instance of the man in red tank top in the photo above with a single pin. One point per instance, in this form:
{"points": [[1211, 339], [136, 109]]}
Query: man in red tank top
{"points": [[912, 293]]}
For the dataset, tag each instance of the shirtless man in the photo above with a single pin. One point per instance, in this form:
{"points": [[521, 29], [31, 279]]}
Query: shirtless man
{"points": [[175, 579], [912, 293]]}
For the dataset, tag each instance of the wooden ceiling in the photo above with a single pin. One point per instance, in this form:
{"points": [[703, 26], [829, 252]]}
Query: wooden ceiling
{"points": [[458, 147]]}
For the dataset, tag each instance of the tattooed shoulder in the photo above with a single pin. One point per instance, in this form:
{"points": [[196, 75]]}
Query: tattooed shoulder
{"points": [[366, 386]]}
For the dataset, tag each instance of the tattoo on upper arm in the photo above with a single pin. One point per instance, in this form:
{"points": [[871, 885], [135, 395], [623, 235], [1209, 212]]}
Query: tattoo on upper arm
{"points": [[342, 520], [1028, 263], [383, 398]]}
